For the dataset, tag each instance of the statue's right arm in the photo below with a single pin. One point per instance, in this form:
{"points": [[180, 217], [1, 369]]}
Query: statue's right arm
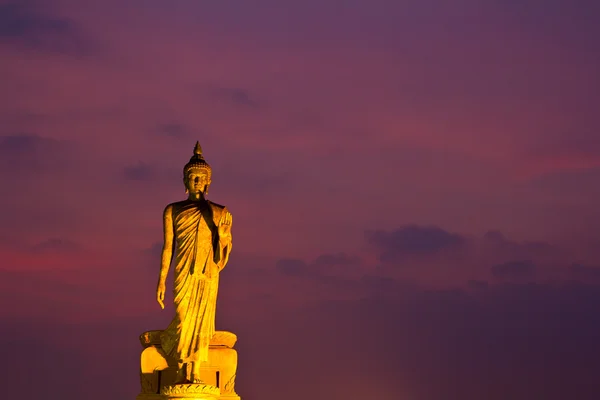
{"points": [[167, 254]]}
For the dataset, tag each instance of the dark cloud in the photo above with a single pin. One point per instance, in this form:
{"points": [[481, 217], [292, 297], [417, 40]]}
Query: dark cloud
{"points": [[173, 130], [23, 143], [413, 240], [56, 245], [573, 183], [237, 96], [572, 24], [380, 284], [329, 261], [512, 247], [47, 293], [155, 250], [497, 245], [19, 20], [257, 173], [21, 23], [338, 266], [495, 236], [45, 220], [335, 275], [26, 153], [293, 267], [227, 96], [431, 248], [584, 273], [477, 285], [139, 172], [515, 271]]}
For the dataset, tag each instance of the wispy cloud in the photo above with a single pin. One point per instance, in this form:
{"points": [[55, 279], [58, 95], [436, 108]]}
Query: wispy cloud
{"points": [[23, 24]]}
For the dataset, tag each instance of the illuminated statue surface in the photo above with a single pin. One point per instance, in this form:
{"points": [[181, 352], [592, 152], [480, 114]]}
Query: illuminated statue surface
{"points": [[198, 233]]}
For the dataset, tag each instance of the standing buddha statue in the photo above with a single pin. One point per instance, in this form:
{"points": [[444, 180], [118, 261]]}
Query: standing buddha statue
{"points": [[198, 231]]}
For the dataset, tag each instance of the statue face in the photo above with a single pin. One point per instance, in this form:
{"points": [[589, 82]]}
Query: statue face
{"points": [[197, 181]]}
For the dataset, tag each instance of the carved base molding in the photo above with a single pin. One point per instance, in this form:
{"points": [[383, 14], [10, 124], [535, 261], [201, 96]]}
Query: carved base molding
{"points": [[177, 397], [191, 391], [230, 397]]}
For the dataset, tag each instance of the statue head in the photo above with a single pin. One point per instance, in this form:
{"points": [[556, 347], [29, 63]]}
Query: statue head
{"points": [[197, 173]]}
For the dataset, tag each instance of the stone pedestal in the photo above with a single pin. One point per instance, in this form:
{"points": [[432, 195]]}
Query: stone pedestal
{"points": [[158, 371]]}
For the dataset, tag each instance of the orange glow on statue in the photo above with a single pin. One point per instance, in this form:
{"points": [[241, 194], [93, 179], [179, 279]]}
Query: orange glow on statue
{"points": [[199, 232]]}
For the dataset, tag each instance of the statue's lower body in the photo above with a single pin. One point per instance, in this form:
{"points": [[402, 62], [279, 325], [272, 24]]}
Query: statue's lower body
{"points": [[188, 336]]}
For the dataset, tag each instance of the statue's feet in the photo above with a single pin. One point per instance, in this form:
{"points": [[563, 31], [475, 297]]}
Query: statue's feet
{"points": [[183, 381], [198, 380]]}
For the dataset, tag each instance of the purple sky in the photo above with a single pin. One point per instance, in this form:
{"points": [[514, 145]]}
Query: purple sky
{"points": [[414, 186]]}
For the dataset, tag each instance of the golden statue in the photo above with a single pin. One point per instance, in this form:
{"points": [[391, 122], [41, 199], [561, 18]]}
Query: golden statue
{"points": [[199, 231], [190, 360]]}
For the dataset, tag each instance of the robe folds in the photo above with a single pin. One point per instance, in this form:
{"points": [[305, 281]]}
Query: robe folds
{"points": [[200, 254]]}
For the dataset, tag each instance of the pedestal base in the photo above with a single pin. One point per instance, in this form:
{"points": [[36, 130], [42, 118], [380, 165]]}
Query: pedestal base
{"points": [[158, 372], [163, 397]]}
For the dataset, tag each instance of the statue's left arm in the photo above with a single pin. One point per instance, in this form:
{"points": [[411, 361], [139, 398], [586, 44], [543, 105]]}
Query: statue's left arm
{"points": [[225, 242]]}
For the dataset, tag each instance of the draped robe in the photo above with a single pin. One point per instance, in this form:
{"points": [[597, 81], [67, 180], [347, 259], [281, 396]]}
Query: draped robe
{"points": [[200, 254]]}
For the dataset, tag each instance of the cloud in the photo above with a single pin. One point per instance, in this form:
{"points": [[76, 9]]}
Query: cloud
{"points": [[56, 245], [498, 247], [584, 273], [517, 271], [381, 284], [19, 20], [232, 95], [44, 181], [27, 153], [173, 130], [436, 255], [155, 250], [257, 172], [292, 267], [413, 240], [573, 183], [327, 261], [340, 266], [477, 285], [139, 172], [22, 24]]}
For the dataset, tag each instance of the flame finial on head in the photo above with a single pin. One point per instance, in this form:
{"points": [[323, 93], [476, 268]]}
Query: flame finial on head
{"points": [[198, 149], [197, 161]]}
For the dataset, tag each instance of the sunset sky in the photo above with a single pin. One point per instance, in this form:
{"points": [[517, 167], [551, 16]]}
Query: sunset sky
{"points": [[414, 187]]}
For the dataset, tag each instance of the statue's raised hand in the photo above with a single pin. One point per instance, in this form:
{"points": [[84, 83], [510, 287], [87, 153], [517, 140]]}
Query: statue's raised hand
{"points": [[160, 294], [225, 226]]}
